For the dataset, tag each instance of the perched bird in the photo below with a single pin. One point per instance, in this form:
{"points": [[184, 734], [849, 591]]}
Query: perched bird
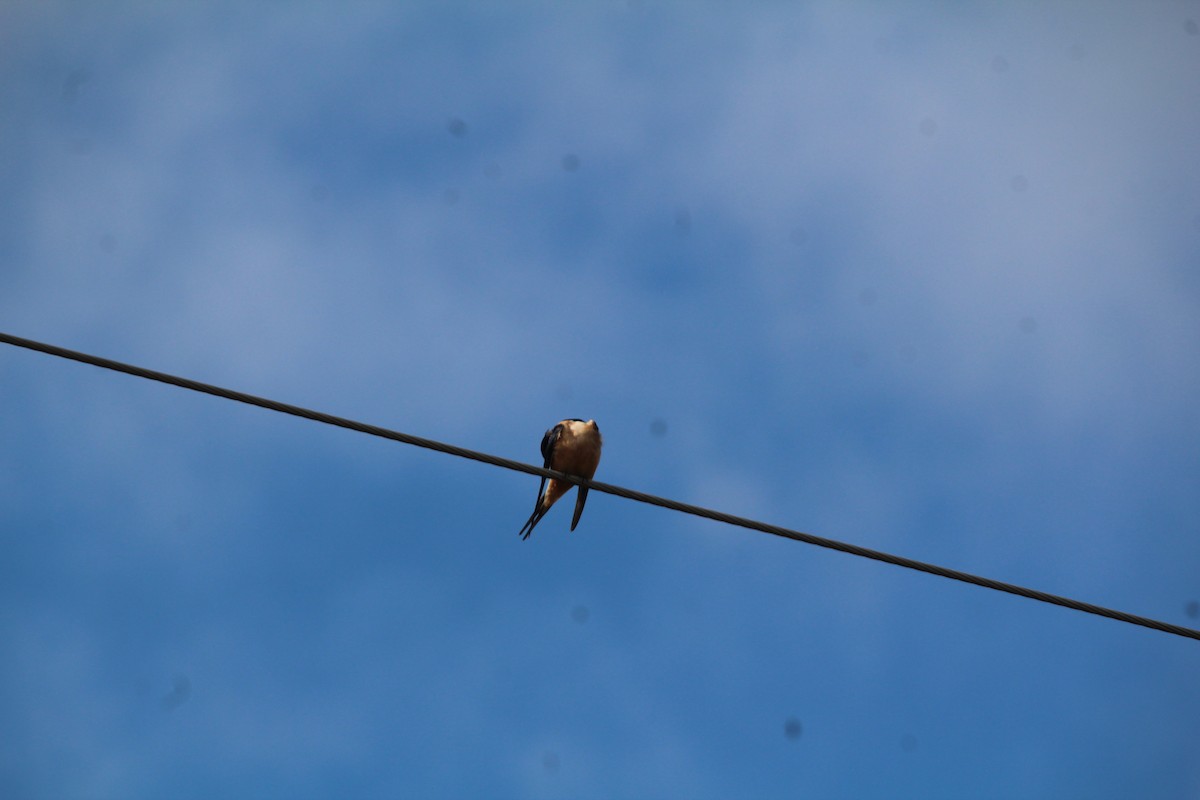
{"points": [[572, 446]]}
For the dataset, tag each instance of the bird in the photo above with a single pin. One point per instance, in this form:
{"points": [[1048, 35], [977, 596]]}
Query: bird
{"points": [[572, 446]]}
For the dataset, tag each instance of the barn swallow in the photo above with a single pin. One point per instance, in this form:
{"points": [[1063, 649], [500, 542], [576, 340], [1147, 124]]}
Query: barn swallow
{"points": [[572, 446]]}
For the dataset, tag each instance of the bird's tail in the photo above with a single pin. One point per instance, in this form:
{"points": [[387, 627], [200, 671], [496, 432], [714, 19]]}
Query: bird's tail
{"points": [[579, 501]]}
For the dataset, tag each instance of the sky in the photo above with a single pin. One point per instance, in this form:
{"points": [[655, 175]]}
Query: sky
{"points": [[923, 277]]}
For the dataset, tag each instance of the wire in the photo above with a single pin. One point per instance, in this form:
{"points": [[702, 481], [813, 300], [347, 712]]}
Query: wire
{"points": [[619, 491]]}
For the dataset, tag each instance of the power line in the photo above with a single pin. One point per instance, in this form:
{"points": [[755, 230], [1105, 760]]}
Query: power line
{"points": [[597, 486]]}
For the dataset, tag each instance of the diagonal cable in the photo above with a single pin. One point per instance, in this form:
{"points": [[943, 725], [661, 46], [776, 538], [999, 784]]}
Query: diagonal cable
{"points": [[619, 491]]}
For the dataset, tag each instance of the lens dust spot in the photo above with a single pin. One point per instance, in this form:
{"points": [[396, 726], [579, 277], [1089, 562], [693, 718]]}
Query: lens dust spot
{"points": [[456, 127], [178, 695], [683, 220], [1028, 325], [908, 743], [658, 427], [550, 762], [928, 127], [492, 171], [73, 83], [450, 197], [792, 729], [570, 162], [1019, 183], [108, 244], [1191, 27], [1192, 609], [999, 64], [581, 614], [867, 297]]}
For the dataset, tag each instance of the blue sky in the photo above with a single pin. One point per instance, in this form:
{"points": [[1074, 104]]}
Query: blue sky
{"points": [[922, 277]]}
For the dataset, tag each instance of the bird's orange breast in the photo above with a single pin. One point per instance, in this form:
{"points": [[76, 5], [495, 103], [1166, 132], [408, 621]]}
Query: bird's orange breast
{"points": [[577, 452]]}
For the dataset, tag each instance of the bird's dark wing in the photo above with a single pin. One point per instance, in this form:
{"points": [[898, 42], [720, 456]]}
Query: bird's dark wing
{"points": [[549, 441], [539, 511]]}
